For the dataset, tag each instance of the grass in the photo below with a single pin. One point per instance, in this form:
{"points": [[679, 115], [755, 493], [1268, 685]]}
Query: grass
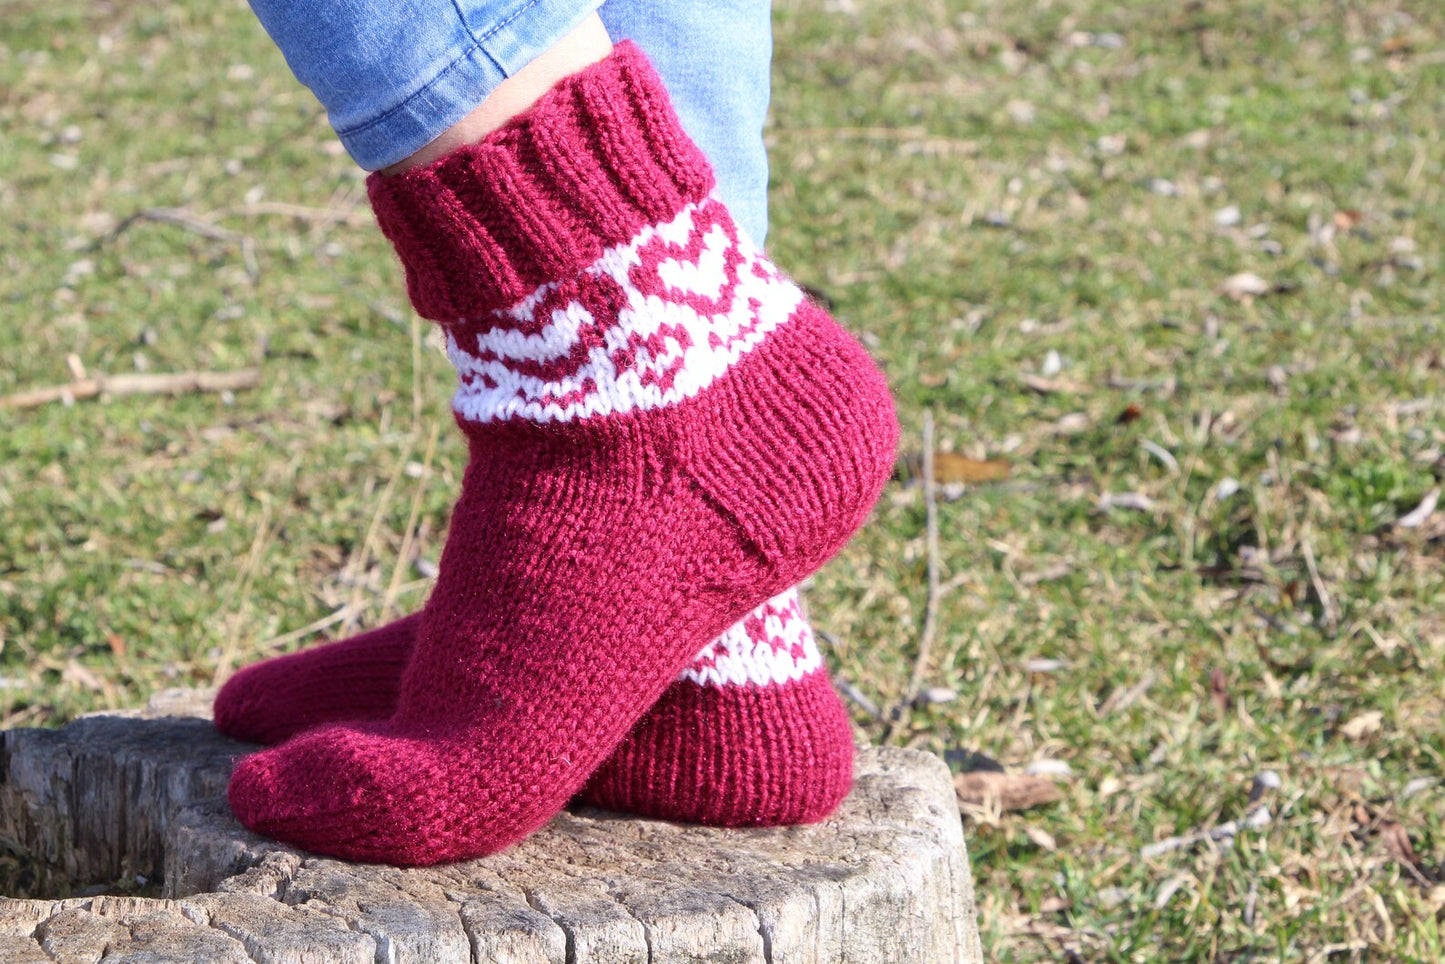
{"points": [[975, 187]]}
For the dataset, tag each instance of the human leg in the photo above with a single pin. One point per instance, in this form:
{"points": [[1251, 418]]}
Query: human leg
{"points": [[398, 75], [691, 510], [714, 58], [751, 732]]}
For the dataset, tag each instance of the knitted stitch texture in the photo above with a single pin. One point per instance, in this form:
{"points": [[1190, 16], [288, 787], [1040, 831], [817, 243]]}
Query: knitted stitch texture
{"points": [[750, 734], [355, 679], [663, 434]]}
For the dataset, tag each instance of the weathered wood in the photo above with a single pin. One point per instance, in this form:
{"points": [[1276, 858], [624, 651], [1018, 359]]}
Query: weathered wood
{"points": [[139, 799]]}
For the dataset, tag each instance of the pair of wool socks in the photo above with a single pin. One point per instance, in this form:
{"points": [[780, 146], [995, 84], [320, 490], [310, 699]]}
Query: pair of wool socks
{"points": [[750, 734], [664, 434]]}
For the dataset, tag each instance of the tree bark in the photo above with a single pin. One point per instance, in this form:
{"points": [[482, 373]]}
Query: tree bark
{"points": [[138, 800]]}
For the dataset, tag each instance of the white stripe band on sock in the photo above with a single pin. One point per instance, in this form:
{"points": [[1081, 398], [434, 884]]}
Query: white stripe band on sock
{"points": [[774, 645], [649, 324]]}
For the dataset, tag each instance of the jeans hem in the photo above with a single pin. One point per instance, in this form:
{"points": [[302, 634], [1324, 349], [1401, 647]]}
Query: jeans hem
{"points": [[468, 79]]}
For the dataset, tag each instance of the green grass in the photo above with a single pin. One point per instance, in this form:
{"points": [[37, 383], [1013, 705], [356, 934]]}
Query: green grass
{"points": [[974, 186]]}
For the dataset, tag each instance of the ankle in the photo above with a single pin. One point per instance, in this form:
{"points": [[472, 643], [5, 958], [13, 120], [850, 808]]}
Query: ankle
{"points": [[586, 44]]}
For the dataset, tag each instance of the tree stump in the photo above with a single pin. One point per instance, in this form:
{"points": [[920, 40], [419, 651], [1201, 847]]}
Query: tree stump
{"points": [[113, 804]]}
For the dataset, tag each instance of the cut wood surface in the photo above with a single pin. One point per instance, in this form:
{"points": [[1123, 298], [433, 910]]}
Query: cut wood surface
{"points": [[138, 799]]}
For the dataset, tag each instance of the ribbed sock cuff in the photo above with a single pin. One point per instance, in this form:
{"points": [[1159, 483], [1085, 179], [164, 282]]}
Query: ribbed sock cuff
{"points": [[597, 158]]}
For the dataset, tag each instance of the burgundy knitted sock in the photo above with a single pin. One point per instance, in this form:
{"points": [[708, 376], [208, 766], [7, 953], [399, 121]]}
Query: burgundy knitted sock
{"points": [[750, 734], [664, 433], [353, 680]]}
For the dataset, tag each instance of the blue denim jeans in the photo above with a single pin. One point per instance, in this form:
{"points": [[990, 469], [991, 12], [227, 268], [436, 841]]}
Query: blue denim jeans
{"points": [[394, 74]]}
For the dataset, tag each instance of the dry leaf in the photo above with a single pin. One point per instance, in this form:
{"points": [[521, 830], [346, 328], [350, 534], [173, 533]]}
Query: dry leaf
{"points": [[1245, 286], [1416, 786], [1346, 779], [1111, 897], [1171, 887], [952, 467], [1361, 815], [935, 695], [1347, 219], [1397, 843], [1051, 386], [1041, 838], [1049, 767], [1416, 517], [1048, 573], [1137, 501], [1228, 217], [1007, 791], [1363, 725], [1219, 690], [1071, 424], [80, 676]]}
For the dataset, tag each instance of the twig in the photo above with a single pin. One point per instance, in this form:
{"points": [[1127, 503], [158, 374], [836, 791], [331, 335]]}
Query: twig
{"points": [[418, 400], [1327, 608], [1417, 516], [182, 218], [330, 215], [408, 541], [917, 137], [19, 718], [1226, 831], [857, 697], [1165, 457], [1048, 386], [1250, 902], [1122, 698], [276, 642], [347, 611], [241, 594], [930, 612], [1163, 386], [174, 383], [356, 565]]}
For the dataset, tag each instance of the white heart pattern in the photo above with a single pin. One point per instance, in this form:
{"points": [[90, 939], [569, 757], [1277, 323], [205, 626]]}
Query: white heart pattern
{"points": [[649, 324], [773, 646]]}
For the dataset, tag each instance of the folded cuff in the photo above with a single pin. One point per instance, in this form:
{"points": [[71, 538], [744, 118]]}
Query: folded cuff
{"points": [[599, 157]]}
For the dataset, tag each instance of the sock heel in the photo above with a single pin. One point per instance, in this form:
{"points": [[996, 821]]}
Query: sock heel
{"points": [[813, 440]]}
